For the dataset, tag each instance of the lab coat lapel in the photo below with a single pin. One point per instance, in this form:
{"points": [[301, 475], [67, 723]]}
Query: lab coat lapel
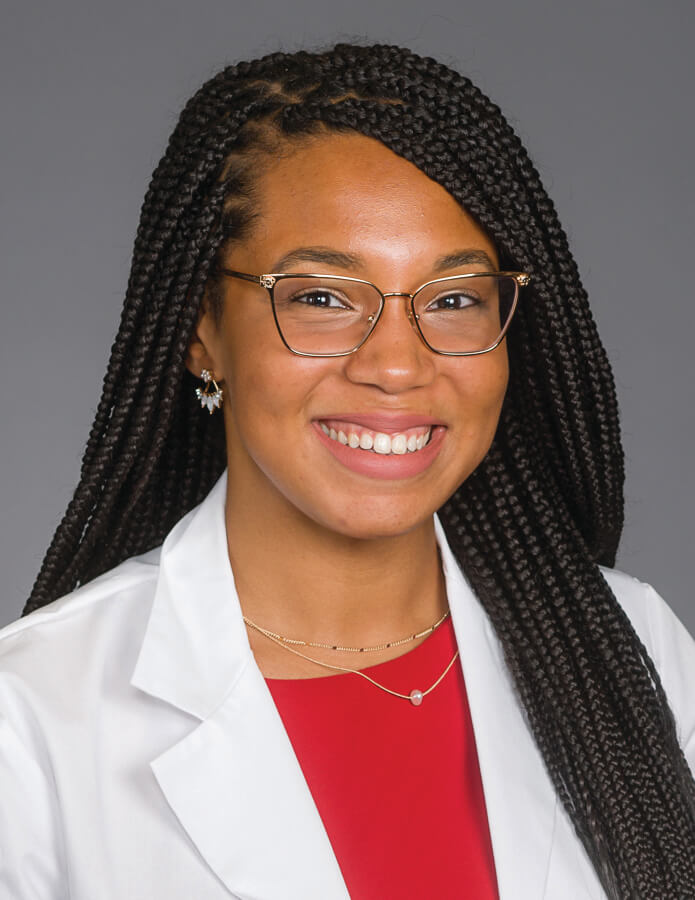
{"points": [[519, 796], [233, 782]]}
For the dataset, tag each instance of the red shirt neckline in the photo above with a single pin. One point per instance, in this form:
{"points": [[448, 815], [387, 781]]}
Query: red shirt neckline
{"points": [[397, 786]]}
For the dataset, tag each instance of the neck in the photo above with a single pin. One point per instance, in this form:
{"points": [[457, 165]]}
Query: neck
{"points": [[303, 581]]}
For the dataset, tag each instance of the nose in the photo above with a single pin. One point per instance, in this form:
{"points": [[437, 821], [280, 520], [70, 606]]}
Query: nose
{"points": [[394, 357]]}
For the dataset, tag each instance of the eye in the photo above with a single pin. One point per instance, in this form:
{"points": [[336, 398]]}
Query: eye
{"points": [[321, 298], [452, 302]]}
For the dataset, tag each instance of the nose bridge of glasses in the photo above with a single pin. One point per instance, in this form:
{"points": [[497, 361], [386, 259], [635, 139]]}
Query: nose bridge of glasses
{"points": [[388, 294], [373, 319], [397, 294], [409, 310]]}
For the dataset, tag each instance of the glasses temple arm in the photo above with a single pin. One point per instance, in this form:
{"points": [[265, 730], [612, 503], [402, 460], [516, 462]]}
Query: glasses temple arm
{"points": [[256, 279]]}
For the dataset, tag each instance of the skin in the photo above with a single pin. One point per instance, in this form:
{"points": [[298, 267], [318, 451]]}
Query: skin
{"points": [[319, 551]]}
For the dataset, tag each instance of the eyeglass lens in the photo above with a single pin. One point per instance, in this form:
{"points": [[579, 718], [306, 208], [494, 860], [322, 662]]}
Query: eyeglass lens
{"points": [[327, 315]]}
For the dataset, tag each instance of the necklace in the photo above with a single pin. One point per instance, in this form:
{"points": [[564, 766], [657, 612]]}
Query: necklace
{"points": [[405, 640], [416, 696]]}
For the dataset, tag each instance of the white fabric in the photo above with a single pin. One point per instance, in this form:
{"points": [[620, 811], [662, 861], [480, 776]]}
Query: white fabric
{"points": [[142, 756]]}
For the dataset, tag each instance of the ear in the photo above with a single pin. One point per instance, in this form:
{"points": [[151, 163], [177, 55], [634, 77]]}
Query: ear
{"points": [[201, 353]]}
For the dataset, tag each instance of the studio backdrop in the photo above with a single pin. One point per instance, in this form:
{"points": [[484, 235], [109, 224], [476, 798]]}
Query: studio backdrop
{"points": [[598, 91]]}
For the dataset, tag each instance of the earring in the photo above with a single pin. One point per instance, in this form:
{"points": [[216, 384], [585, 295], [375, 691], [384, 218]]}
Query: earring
{"points": [[209, 398]]}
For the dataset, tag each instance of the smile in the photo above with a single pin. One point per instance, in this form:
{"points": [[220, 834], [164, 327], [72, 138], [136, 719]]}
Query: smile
{"points": [[409, 440], [382, 446]]}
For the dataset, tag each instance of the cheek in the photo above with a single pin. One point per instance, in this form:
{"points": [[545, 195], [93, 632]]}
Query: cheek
{"points": [[251, 364], [268, 391], [480, 386], [258, 397]]}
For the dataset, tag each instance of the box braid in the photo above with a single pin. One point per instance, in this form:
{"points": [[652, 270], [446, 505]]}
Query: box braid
{"points": [[529, 527]]}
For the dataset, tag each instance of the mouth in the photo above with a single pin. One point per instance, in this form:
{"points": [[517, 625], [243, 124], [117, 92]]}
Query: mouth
{"points": [[383, 446], [383, 443]]}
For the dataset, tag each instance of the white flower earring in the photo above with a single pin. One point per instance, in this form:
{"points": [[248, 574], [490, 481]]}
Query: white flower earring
{"points": [[208, 398]]}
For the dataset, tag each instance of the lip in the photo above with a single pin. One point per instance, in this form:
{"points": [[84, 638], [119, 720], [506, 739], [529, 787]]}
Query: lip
{"points": [[388, 423], [388, 467]]}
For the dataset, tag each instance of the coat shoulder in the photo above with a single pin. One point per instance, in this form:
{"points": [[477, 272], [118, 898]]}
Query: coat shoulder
{"points": [[668, 643], [650, 615], [97, 622], [636, 598]]}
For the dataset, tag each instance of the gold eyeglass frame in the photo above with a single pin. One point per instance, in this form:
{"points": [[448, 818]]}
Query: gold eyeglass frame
{"points": [[268, 281]]}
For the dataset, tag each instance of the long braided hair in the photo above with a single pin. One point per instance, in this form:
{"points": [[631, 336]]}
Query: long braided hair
{"points": [[528, 527]]}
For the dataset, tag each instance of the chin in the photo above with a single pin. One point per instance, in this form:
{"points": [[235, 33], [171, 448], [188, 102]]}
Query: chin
{"points": [[374, 518]]}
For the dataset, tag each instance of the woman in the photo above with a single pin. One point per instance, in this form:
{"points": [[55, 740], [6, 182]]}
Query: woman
{"points": [[358, 394]]}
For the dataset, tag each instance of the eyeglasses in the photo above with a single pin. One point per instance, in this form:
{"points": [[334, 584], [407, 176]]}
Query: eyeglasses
{"points": [[329, 315]]}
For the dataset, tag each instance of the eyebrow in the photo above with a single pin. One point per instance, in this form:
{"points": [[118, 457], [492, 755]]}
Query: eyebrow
{"points": [[464, 258], [343, 260]]}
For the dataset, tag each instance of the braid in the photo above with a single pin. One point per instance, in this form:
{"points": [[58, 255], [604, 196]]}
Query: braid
{"points": [[528, 527]]}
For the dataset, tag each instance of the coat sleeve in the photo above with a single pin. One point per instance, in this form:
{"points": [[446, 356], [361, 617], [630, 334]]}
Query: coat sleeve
{"points": [[31, 852]]}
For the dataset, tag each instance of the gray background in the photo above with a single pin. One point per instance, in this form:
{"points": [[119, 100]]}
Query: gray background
{"points": [[600, 92]]}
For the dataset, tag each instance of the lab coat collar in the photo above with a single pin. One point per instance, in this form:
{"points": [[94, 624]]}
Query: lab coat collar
{"points": [[234, 781], [195, 645]]}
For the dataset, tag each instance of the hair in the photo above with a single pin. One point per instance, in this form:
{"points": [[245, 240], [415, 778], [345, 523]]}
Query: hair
{"points": [[530, 526]]}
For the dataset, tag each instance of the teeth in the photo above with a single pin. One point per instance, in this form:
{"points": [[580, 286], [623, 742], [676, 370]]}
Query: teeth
{"points": [[382, 443], [399, 444], [379, 442]]}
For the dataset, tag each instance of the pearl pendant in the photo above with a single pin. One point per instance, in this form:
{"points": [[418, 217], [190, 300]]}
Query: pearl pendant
{"points": [[416, 697]]}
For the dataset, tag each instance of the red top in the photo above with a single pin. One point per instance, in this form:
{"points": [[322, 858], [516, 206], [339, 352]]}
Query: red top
{"points": [[397, 786]]}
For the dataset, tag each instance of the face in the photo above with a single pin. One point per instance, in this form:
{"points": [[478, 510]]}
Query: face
{"points": [[350, 195]]}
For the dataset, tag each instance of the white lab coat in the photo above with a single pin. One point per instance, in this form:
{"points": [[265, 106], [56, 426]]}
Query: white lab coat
{"points": [[142, 756]]}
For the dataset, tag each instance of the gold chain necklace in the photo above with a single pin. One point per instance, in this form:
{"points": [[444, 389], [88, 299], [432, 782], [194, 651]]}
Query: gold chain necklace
{"points": [[298, 643], [416, 696]]}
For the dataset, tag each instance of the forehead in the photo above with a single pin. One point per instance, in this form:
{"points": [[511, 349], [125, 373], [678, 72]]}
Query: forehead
{"points": [[353, 193]]}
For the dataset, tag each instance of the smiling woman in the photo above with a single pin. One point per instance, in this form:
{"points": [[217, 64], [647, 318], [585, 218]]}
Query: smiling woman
{"points": [[330, 613]]}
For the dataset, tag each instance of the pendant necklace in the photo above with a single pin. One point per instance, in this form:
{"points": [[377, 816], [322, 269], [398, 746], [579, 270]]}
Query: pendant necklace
{"points": [[416, 696]]}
